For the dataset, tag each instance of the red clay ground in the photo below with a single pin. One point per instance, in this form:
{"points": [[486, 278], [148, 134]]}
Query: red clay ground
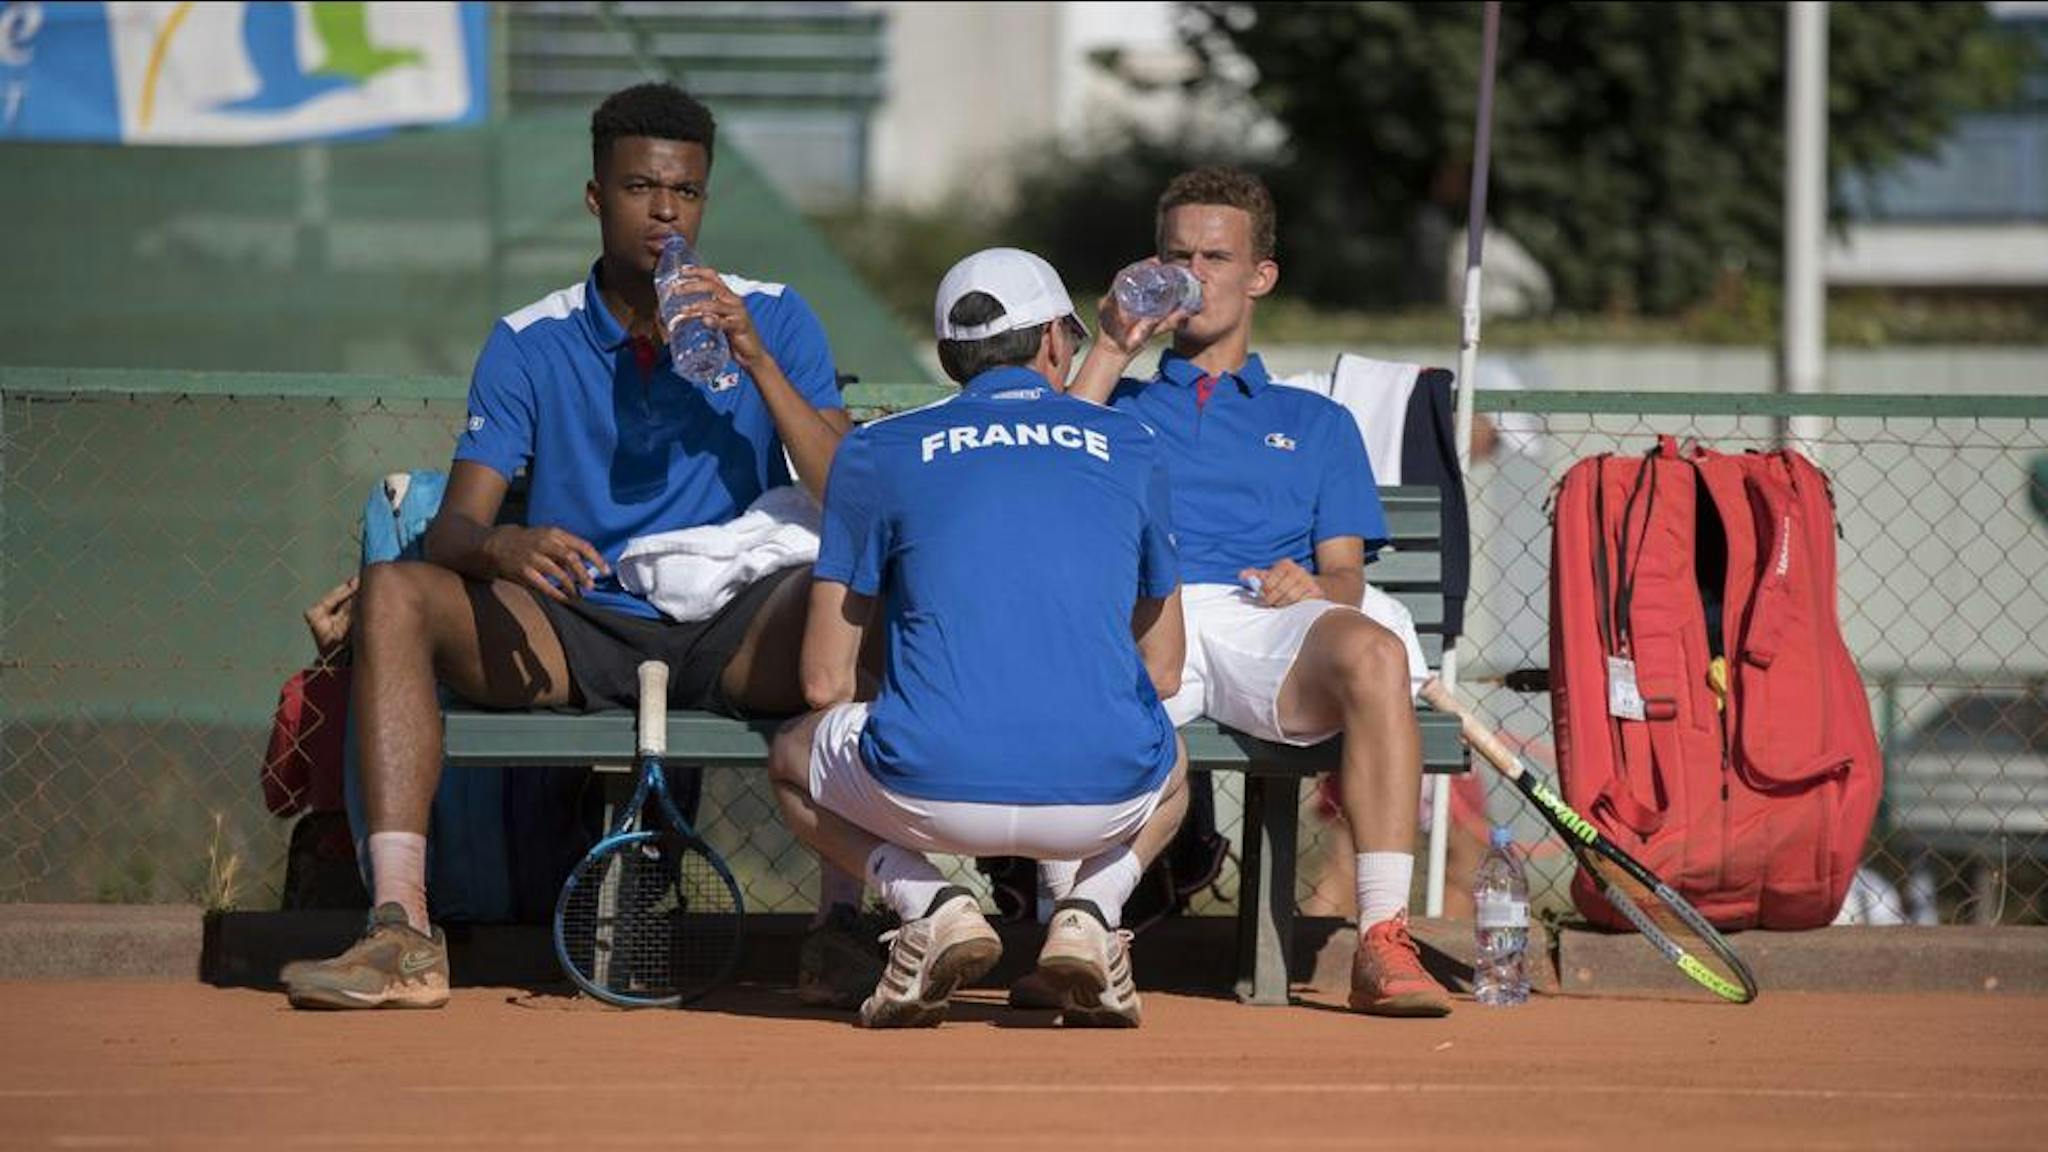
{"points": [[190, 1066]]}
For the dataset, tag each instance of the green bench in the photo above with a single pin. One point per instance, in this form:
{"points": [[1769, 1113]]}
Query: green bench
{"points": [[1411, 572]]}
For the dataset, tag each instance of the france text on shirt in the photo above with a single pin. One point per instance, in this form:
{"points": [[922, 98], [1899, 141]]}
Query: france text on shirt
{"points": [[964, 438]]}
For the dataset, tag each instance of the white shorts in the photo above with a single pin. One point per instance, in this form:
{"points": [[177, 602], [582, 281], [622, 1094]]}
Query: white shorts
{"points": [[1240, 651], [841, 782]]}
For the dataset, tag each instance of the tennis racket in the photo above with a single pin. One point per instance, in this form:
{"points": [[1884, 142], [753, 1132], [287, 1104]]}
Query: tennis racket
{"points": [[1664, 918], [651, 917]]}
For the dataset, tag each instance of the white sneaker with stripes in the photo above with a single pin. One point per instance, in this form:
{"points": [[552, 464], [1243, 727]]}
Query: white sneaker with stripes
{"points": [[1089, 964], [929, 958]]}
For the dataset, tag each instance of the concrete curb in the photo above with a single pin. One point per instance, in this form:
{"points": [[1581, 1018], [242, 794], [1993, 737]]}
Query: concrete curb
{"points": [[100, 942], [245, 949], [2009, 960]]}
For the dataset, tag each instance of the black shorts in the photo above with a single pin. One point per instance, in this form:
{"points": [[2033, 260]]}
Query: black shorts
{"points": [[604, 649]]}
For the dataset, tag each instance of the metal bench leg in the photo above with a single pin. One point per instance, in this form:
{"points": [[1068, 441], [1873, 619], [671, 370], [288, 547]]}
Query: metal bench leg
{"points": [[615, 784], [617, 790], [1265, 889]]}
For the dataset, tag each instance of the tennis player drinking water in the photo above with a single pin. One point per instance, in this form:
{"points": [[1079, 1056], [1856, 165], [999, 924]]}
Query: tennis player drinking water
{"points": [[1013, 545], [1277, 512]]}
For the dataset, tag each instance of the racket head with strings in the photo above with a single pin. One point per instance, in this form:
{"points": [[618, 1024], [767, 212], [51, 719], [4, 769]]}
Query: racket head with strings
{"points": [[1666, 919], [651, 916]]}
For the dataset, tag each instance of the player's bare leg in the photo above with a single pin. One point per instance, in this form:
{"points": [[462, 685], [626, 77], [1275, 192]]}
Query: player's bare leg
{"points": [[1352, 675], [762, 676], [491, 643]]}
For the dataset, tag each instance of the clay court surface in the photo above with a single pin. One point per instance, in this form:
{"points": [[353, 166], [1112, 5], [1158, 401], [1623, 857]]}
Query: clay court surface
{"points": [[191, 1066]]}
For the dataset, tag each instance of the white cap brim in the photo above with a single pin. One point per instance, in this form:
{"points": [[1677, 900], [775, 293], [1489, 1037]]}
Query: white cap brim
{"points": [[1025, 285]]}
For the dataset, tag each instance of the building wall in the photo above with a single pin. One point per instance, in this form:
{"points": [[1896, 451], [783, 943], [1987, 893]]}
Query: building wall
{"points": [[968, 86]]}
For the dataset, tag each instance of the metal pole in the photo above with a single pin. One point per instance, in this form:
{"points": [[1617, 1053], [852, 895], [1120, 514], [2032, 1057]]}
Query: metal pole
{"points": [[1803, 367], [1468, 363]]}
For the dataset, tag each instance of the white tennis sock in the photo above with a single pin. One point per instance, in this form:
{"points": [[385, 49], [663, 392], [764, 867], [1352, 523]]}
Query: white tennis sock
{"points": [[836, 886], [1055, 883], [398, 869], [1108, 880], [905, 879], [1383, 879]]}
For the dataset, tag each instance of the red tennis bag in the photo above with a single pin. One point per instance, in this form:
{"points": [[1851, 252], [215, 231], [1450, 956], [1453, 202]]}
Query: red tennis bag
{"points": [[302, 767], [1708, 715]]}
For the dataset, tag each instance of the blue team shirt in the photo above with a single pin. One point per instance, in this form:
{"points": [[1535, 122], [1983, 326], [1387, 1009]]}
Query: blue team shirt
{"points": [[1260, 472], [1008, 532], [615, 450]]}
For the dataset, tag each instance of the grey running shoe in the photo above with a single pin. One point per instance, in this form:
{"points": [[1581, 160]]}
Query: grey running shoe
{"points": [[929, 958], [392, 966], [841, 958], [1089, 965]]}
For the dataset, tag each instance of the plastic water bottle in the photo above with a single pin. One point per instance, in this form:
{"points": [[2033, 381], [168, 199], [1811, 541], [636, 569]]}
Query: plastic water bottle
{"points": [[1500, 900], [1146, 290], [698, 351]]}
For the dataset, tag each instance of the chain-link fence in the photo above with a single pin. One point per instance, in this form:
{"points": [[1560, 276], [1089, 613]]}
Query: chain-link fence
{"points": [[159, 539], [156, 551]]}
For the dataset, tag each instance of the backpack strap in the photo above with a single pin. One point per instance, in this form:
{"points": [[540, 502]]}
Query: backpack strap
{"points": [[1618, 796]]}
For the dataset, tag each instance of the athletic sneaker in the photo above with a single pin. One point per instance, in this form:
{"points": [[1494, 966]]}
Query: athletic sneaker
{"points": [[392, 966], [841, 958], [1387, 977], [1089, 966], [929, 957]]}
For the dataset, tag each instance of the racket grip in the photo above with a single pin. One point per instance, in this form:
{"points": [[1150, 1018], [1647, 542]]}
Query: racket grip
{"points": [[653, 708], [1482, 739]]}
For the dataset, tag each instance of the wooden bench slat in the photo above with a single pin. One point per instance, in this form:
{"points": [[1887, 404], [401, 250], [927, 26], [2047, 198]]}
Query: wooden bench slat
{"points": [[1427, 610], [1214, 747], [474, 738], [1407, 568]]}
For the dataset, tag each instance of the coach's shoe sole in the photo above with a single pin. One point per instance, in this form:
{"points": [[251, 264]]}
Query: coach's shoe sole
{"points": [[1030, 993]]}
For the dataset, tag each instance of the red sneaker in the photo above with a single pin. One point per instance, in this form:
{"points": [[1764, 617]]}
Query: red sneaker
{"points": [[1387, 978]]}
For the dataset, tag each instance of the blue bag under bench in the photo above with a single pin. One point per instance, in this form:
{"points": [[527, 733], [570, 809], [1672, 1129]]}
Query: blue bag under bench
{"points": [[1411, 572]]}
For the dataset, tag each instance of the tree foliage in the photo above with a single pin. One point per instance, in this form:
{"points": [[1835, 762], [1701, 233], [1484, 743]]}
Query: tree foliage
{"points": [[1638, 148]]}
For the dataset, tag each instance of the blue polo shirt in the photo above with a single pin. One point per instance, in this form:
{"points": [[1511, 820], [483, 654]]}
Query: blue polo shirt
{"points": [[1008, 531], [617, 447], [1260, 472]]}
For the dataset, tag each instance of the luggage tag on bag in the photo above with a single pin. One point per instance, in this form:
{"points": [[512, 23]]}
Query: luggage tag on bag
{"points": [[1624, 699]]}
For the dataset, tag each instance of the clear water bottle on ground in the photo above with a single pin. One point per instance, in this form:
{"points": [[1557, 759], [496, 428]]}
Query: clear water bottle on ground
{"points": [[1146, 290], [1500, 901], [698, 350]]}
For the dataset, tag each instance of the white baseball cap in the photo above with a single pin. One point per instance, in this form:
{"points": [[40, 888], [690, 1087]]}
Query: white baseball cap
{"points": [[1025, 285]]}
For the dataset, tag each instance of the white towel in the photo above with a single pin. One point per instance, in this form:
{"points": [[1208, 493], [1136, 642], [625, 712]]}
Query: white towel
{"points": [[691, 573], [1316, 382], [1376, 393]]}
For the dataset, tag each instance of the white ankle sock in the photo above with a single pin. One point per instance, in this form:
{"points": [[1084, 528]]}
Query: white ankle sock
{"points": [[905, 879], [398, 868], [1383, 879], [836, 886], [1108, 880], [1055, 883]]}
